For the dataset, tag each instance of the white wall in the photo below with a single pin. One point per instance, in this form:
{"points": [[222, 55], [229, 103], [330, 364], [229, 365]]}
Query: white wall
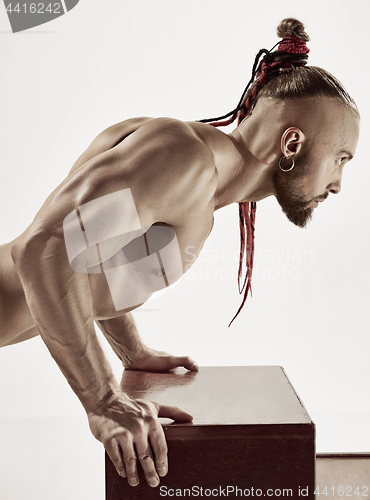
{"points": [[64, 82]]}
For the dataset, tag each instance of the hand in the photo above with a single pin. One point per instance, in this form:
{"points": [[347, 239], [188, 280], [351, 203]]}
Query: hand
{"points": [[158, 361], [129, 430]]}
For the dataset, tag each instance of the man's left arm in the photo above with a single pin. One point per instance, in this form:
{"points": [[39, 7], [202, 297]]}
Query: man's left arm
{"points": [[123, 336]]}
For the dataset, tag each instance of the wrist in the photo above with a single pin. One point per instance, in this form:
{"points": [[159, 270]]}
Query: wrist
{"points": [[109, 400], [131, 356]]}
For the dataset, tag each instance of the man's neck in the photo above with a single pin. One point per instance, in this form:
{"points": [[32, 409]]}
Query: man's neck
{"points": [[247, 173]]}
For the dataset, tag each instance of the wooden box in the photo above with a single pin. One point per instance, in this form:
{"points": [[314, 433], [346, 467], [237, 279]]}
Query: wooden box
{"points": [[251, 435]]}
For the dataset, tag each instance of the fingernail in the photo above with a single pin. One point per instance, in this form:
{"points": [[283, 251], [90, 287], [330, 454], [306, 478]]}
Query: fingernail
{"points": [[153, 482], [162, 471], [195, 367], [133, 481]]}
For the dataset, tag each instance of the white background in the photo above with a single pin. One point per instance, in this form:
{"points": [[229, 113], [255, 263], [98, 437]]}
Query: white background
{"points": [[63, 83]]}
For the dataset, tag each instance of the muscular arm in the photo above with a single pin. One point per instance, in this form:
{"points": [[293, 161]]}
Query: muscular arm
{"points": [[61, 305]]}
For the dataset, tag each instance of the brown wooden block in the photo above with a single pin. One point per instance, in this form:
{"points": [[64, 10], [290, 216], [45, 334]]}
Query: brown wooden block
{"points": [[250, 430]]}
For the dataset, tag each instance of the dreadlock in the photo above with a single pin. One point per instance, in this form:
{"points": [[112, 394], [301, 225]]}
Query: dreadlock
{"points": [[281, 74]]}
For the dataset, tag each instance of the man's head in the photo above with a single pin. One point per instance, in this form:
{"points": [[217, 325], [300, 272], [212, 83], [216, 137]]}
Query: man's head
{"points": [[326, 116], [321, 136]]}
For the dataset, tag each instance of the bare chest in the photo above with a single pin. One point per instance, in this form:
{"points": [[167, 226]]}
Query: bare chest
{"points": [[150, 262]]}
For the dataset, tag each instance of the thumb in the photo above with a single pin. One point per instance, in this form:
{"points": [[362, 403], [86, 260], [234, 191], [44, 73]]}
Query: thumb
{"points": [[173, 412]]}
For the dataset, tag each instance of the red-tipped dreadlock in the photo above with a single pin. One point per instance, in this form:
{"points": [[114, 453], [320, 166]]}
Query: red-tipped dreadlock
{"points": [[292, 51]]}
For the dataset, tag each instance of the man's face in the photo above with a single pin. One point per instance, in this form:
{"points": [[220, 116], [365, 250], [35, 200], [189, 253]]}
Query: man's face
{"points": [[318, 168]]}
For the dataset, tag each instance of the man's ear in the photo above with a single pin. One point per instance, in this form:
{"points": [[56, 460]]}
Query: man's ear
{"points": [[291, 141]]}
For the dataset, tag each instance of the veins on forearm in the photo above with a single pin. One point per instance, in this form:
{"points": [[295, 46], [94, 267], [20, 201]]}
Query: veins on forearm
{"points": [[122, 335]]}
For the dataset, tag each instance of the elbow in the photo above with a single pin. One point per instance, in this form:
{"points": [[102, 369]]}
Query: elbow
{"points": [[19, 252], [22, 254], [28, 246]]}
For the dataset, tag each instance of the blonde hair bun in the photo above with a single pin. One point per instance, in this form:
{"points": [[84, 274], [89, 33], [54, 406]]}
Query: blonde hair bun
{"points": [[292, 27]]}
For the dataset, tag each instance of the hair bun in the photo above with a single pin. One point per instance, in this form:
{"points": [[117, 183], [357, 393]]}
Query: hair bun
{"points": [[292, 27]]}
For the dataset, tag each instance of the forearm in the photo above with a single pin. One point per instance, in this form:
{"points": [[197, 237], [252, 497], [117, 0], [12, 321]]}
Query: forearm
{"points": [[123, 336], [60, 302]]}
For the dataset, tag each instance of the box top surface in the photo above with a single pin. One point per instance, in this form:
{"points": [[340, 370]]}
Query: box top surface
{"points": [[237, 395]]}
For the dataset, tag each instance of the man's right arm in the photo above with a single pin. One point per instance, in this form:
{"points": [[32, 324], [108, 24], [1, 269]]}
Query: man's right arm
{"points": [[60, 303]]}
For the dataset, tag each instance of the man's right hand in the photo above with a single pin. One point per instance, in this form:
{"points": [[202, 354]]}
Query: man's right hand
{"points": [[130, 430]]}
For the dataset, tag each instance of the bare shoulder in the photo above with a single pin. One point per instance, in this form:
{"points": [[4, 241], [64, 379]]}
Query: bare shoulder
{"points": [[176, 171], [109, 138], [161, 159]]}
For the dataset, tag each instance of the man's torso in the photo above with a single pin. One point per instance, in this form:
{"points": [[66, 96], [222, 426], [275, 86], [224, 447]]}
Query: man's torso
{"points": [[192, 188]]}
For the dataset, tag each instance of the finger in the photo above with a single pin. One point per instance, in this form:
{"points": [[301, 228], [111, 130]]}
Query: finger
{"points": [[159, 447], [173, 412], [130, 460], [114, 452], [145, 456], [184, 361]]}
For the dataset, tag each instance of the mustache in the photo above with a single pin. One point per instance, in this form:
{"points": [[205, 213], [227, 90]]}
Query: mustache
{"points": [[322, 197]]}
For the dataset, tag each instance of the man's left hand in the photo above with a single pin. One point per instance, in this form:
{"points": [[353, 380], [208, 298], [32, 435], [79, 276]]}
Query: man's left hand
{"points": [[159, 361]]}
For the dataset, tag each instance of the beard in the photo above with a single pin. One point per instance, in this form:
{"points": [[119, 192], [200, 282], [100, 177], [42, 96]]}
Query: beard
{"points": [[290, 194]]}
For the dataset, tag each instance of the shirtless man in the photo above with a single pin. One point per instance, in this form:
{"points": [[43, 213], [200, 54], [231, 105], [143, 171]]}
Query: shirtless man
{"points": [[178, 174]]}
